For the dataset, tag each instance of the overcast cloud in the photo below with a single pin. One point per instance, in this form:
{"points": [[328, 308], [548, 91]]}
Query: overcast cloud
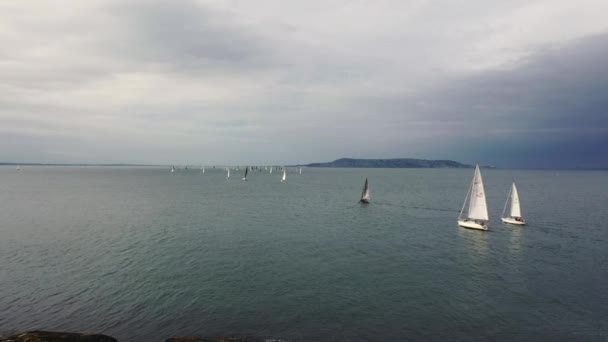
{"points": [[509, 83]]}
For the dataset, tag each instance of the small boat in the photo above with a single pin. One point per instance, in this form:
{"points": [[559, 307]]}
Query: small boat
{"points": [[172, 169], [515, 211], [284, 179], [228, 175], [271, 169], [203, 169], [300, 170], [477, 215], [246, 170], [365, 198]]}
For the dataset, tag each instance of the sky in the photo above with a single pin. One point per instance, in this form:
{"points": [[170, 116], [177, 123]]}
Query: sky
{"points": [[520, 84]]}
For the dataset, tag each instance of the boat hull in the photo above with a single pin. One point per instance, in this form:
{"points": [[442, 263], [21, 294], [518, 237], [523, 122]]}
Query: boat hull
{"points": [[472, 225], [511, 220]]}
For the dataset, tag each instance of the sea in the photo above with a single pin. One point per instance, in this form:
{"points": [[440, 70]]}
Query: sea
{"points": [[143, 254]]}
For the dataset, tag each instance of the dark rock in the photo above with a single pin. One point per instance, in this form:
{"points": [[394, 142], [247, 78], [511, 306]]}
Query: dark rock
{"points": [[51, 336], [196, 339]]}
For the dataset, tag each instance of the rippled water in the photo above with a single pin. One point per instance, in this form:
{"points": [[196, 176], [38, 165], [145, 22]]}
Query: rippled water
{"points": [[142, 254]]}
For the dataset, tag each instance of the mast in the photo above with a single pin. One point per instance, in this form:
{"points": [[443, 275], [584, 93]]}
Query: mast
{"points": [[507, 202], [466, 198]]}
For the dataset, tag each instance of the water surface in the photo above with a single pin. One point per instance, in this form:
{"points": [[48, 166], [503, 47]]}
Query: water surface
{"points": [[142, 254]]}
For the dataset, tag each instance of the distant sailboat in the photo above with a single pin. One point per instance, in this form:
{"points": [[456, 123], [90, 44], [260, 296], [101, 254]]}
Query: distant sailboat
{"points": [[228, 175], [271, 169], [365, 198], [515, 211], [172, 169], [246, 170], [284, 179], [300, 170], [18, 168], [203, 170], [477, 215]]}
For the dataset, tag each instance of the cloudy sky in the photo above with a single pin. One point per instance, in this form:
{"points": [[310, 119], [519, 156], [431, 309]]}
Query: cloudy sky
{"points": [[510, 83]]}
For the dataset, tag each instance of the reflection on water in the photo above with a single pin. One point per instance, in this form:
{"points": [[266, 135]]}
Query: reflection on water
{"points": [[515, 239], [476, 241]]}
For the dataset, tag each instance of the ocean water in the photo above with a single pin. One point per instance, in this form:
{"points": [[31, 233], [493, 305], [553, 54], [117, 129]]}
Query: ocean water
{"points": [[142, 255]]}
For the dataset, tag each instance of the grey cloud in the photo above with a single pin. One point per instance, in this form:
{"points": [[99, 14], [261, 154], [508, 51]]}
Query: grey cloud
{"points": [[186, 37], [166, 82]]}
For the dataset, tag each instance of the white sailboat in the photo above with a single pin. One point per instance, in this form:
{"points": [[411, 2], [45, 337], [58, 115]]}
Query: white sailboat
{"points": [[271, 169], [228, 175], [477, 214], [515, 211], [300, 170], [172, 169], [203, 170], [365, 197], [246, 170], [284, 179]]}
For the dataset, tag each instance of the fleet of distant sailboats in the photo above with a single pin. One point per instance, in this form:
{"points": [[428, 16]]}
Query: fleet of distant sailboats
{"points": [[474, 212]]}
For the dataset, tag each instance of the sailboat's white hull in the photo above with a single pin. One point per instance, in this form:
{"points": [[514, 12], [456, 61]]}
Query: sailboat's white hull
{"points": [[511, 220], [472, 225]]}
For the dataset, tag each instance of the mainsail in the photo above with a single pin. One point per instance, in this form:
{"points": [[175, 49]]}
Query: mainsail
{"points": [[515, 208], [365, 194], [478, 209]]}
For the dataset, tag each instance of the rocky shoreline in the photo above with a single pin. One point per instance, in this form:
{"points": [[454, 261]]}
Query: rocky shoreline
{"points": [[54, 336]]}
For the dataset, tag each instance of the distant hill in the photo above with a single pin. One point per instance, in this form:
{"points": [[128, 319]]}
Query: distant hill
{"points": [[392, 163]]}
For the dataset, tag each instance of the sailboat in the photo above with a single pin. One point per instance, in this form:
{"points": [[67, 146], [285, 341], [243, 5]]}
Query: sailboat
{"points": [[172, 169], [477, 215], [203, 170], [515, 211], [228, 175], [365, 198], [284, 179], [246, 170], [271, 169], [300, 170]]}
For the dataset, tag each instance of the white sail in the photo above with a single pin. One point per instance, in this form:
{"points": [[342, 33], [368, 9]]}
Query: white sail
{"points": [[284, 176], [515, 208], [478, 209], [271, 169], [228, 176]]}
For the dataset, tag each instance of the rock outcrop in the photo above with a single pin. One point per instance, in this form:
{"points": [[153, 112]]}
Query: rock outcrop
{"points": [[196, 339], [50, 336]]}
